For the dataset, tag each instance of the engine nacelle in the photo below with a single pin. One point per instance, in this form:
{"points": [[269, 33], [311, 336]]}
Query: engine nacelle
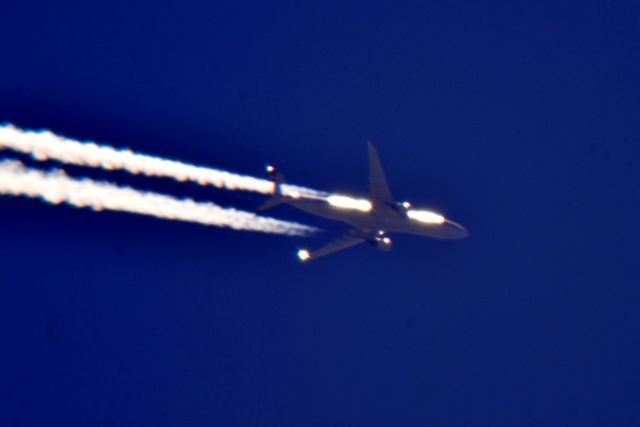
{"points": [[383, 243], [401, 207]]}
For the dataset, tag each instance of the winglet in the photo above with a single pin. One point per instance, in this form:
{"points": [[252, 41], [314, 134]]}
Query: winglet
{"points": [[378, 186]]}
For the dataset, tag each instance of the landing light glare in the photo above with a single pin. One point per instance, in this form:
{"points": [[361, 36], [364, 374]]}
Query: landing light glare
{"points": [[426, 216], [350, 203]]}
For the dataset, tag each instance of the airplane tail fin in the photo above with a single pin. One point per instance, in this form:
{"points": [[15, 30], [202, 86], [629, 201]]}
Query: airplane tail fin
{"points": [[277, 198]]}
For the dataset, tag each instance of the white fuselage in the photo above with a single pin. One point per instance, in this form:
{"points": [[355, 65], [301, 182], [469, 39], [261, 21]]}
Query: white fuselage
{"points": [[380, 217]]}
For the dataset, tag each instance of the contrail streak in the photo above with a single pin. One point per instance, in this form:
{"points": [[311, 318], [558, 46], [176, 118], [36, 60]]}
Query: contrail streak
{"points": [[57, 187], [45, 145]]}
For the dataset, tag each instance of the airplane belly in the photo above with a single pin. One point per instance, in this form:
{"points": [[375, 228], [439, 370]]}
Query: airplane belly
{"points": [[365, 220], [448, 230], [381, 220], [321, 208]]}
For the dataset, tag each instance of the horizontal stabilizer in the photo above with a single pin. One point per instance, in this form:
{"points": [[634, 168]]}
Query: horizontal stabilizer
{"points": [[272, 202]]}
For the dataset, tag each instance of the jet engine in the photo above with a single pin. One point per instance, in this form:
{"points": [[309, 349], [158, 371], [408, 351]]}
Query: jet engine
{"points": [[383, 243], [401, 207]]}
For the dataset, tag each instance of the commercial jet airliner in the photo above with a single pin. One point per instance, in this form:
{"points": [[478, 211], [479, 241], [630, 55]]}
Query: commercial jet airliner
{"points": [[371, 218]]}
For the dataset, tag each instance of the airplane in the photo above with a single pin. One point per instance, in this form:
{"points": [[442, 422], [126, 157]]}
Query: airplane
{"points": [[371, 218]]}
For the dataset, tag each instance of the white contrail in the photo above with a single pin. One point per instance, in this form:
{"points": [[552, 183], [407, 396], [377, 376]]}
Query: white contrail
{"points": [[44, 145], [57, 187]]}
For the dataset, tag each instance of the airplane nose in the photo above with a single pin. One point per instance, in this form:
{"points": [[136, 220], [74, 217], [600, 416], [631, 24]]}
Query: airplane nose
{"points": [[458, 231]]}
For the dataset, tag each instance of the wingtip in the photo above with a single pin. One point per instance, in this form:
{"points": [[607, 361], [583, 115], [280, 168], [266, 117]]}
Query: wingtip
{"points": [[373, 150], [303, 255]]}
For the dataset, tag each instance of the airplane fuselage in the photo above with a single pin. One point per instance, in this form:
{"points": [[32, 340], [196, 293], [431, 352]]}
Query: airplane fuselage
{"points": [[381, 217]]}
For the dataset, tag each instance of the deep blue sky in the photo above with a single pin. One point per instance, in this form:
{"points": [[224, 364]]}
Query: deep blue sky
{"points": [[520, 121]]}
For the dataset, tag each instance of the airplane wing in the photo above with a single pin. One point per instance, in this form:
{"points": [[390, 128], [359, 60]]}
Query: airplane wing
{"points": [[347, 240], [378, 186]]}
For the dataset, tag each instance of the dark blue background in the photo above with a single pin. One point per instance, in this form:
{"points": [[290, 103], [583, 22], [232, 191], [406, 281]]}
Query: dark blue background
{"points": [[518, 119]]}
